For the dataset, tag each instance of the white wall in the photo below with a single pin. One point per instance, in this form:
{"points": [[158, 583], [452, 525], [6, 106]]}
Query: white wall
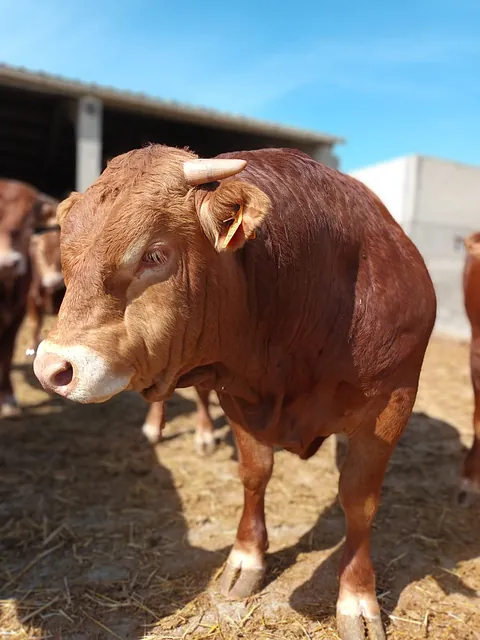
{"points": [[447, 205], [448, 192], [390, 181], [435, 201]]}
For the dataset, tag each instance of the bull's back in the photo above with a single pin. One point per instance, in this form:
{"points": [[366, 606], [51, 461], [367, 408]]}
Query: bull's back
{"points": [[351, 285]]}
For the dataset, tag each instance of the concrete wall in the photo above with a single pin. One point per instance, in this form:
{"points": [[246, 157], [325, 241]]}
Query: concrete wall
{"points": [[447, 206], [388, 181], [435, 201]]}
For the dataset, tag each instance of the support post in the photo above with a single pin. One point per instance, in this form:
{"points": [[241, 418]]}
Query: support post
{"points": [[88, 142], [324, 154]]}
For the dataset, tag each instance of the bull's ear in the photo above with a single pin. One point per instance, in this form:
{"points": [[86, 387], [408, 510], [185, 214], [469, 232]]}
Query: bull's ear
{"points": [[231, 214], [46, 211], [65, 206]]}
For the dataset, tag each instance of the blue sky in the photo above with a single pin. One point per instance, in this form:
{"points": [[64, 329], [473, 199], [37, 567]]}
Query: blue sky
{"points": [[392, 77]]}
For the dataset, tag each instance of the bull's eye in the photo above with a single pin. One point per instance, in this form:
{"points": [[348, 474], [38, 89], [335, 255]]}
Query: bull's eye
{"points": [[156, 256]]}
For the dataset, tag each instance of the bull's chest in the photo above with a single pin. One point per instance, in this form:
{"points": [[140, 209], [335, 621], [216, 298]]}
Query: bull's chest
{"points": [[302, 423]]}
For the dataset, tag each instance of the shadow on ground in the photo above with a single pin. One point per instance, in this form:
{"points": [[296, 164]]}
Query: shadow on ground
{"points": [[91, 523], [92, 527], [419, 530]]}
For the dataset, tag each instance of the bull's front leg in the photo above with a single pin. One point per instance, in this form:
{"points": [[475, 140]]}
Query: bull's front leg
{"points": [[245, 568]]}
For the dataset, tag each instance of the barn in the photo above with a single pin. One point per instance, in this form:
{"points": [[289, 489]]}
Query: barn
{"points": [[437, 203], [58, 134]]}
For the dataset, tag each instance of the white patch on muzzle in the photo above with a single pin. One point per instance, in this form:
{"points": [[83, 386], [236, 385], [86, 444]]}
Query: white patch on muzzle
{"points": [[93, 378]]}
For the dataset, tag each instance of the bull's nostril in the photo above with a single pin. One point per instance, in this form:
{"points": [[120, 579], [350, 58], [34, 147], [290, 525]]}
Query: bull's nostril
{"points": [[64, 377]]}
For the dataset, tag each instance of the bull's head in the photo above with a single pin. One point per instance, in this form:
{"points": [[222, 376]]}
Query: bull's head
{"points": [[148, 256]]}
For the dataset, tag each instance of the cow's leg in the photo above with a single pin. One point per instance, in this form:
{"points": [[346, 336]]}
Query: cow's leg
{"points": [[8, 403], [35, 311], [360, 485], [245, 567], [154, 422], [204, 431], [470, 480]]}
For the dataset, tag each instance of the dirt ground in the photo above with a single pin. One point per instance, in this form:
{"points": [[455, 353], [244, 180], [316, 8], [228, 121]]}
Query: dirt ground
{"points": [[103, 536]]}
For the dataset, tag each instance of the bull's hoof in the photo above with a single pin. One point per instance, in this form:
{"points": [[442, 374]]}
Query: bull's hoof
{"points": [[205, 444], [237, 583], [358, 616], [356, 627], [152, 433], [10, 409]]}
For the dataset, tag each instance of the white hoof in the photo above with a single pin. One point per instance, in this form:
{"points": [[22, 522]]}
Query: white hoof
{"points": [[152, 432], [205, 443], [9, 408]]}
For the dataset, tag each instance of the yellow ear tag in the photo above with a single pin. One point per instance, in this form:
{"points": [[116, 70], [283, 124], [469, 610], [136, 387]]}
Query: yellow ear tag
{"points": [[233, 228]]}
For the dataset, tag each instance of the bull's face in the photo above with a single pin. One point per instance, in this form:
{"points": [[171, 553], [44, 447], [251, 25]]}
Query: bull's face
{"points": [[141, 254]]}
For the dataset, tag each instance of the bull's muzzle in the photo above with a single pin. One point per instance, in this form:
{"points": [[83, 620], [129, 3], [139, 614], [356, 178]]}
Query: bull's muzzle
{"points": [[78, 373], [55, 373]]}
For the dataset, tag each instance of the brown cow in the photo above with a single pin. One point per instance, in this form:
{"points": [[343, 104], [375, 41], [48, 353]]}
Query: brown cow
{"points": [[47, 288], [470, 480], [45, 296], [282, 284], [22, 209]]}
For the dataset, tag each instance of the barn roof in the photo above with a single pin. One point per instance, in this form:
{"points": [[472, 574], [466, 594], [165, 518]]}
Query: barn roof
{"points": [[22, 78]]}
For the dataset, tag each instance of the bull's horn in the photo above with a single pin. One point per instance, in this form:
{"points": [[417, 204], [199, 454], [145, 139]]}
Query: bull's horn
{"points": [[202, 171]]}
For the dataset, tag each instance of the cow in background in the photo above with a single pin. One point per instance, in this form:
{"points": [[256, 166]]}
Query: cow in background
{"points": [[470, 479], [47, 287], [23, 209]]}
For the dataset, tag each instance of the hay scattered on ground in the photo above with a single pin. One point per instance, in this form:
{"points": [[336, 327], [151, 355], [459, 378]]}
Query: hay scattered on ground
{"points": [[103, 536]]}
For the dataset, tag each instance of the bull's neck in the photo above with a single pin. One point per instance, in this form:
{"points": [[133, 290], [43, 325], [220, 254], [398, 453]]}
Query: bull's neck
{"points": [[229, 333], [238, 331]]}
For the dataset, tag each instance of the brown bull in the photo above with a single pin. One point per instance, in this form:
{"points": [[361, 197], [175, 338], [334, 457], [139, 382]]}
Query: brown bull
{"points": [[285, 286], [470, 481], [22, 210]]}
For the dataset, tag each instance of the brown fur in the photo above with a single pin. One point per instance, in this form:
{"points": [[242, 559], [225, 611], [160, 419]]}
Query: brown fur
{"points": [[43, 297], [22, 209], [314, 321]]}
